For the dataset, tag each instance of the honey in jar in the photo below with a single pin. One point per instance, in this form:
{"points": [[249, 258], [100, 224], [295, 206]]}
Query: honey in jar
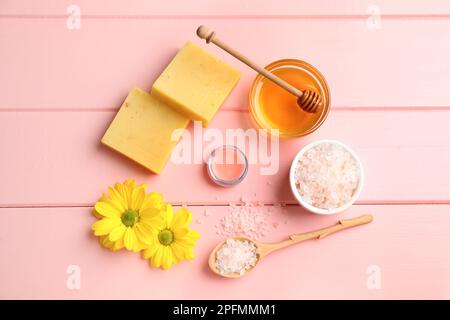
{"points": [[273, 107]]}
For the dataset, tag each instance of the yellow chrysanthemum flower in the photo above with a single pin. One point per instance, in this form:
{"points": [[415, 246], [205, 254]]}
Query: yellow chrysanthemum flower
{"points": [[173, 240], [126, 217]]}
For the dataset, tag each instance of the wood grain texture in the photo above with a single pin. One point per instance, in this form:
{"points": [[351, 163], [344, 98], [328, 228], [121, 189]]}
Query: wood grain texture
{"points": [[56, 158], [60, 89], [38, 244], [95, 67]]}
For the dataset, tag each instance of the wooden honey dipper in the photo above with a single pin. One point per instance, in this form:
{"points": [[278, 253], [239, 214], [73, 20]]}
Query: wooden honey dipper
{"points": [[308, 100]]}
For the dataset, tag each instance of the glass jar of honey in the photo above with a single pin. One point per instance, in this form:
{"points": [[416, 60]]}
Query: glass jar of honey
{"points": [[272, 107]]}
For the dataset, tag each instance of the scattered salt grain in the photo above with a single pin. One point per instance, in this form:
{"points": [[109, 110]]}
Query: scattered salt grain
{"points": [[206, 213], [327, 176], [247, 220], [236, 256], [244, 201]]}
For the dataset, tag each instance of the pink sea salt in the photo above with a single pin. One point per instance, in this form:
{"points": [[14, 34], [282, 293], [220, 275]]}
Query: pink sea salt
{"points": [[236, 256], [327, 176], [247, 220]]}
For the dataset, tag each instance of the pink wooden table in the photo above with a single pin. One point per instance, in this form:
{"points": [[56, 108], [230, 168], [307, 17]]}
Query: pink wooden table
{"points": [[61, 86]]}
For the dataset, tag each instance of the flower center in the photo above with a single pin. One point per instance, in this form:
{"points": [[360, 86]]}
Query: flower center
{"points": [[165, 237], [129, 217]]}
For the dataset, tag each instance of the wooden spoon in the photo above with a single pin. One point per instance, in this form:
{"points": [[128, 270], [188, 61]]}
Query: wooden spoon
{"points": [[310, 101], [264, 249]]}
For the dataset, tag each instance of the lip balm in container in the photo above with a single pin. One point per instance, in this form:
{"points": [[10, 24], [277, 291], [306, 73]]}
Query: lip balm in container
{"points": [[227, 165]]}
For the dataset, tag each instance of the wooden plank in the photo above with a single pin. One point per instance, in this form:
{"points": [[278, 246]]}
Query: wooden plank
{"points": [[56, 158], [93, 68], [407, 244], [228, 8]]}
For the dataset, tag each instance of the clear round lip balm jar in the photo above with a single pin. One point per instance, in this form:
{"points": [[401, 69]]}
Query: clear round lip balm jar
{"points": [[272, 107], [227, 165]]}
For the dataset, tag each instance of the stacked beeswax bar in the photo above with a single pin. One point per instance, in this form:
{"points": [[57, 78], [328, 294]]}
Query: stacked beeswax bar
{"points": [[192, 87]]}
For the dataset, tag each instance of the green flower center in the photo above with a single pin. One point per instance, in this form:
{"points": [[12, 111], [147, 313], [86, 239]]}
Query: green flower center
{"points": [[165, 237], [129, 217]]}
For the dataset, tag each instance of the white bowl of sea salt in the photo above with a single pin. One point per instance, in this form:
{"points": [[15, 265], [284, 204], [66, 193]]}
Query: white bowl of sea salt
{"points": [[326, 177]]}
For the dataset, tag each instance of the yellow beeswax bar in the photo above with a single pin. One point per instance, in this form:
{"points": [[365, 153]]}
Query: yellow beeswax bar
{"points": [[142, 130], [195, 83]]}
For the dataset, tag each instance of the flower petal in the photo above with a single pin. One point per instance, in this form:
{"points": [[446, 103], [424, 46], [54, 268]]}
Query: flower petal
{"points": [[105, 226], [129, 186], [167, 214], [107, 210], [143, 233], [157, 257], [143, 185], [193, 234], [117, 198], [113, 202], [189, 255], [167, 258], [149, 213], [186, 234], [113, 246], [153, 218], [119, 244], [117, 233], [152, 200], [150, 251], [129, 239], [146, 228], [177, 251], [137, 197], [180, 233], [106, 243], [96, 214], [121, 190], [186, 241], [181, 219]]}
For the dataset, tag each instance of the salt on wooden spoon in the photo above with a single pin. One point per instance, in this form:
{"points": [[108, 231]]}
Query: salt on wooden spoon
{"points": [[261, 250]]}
